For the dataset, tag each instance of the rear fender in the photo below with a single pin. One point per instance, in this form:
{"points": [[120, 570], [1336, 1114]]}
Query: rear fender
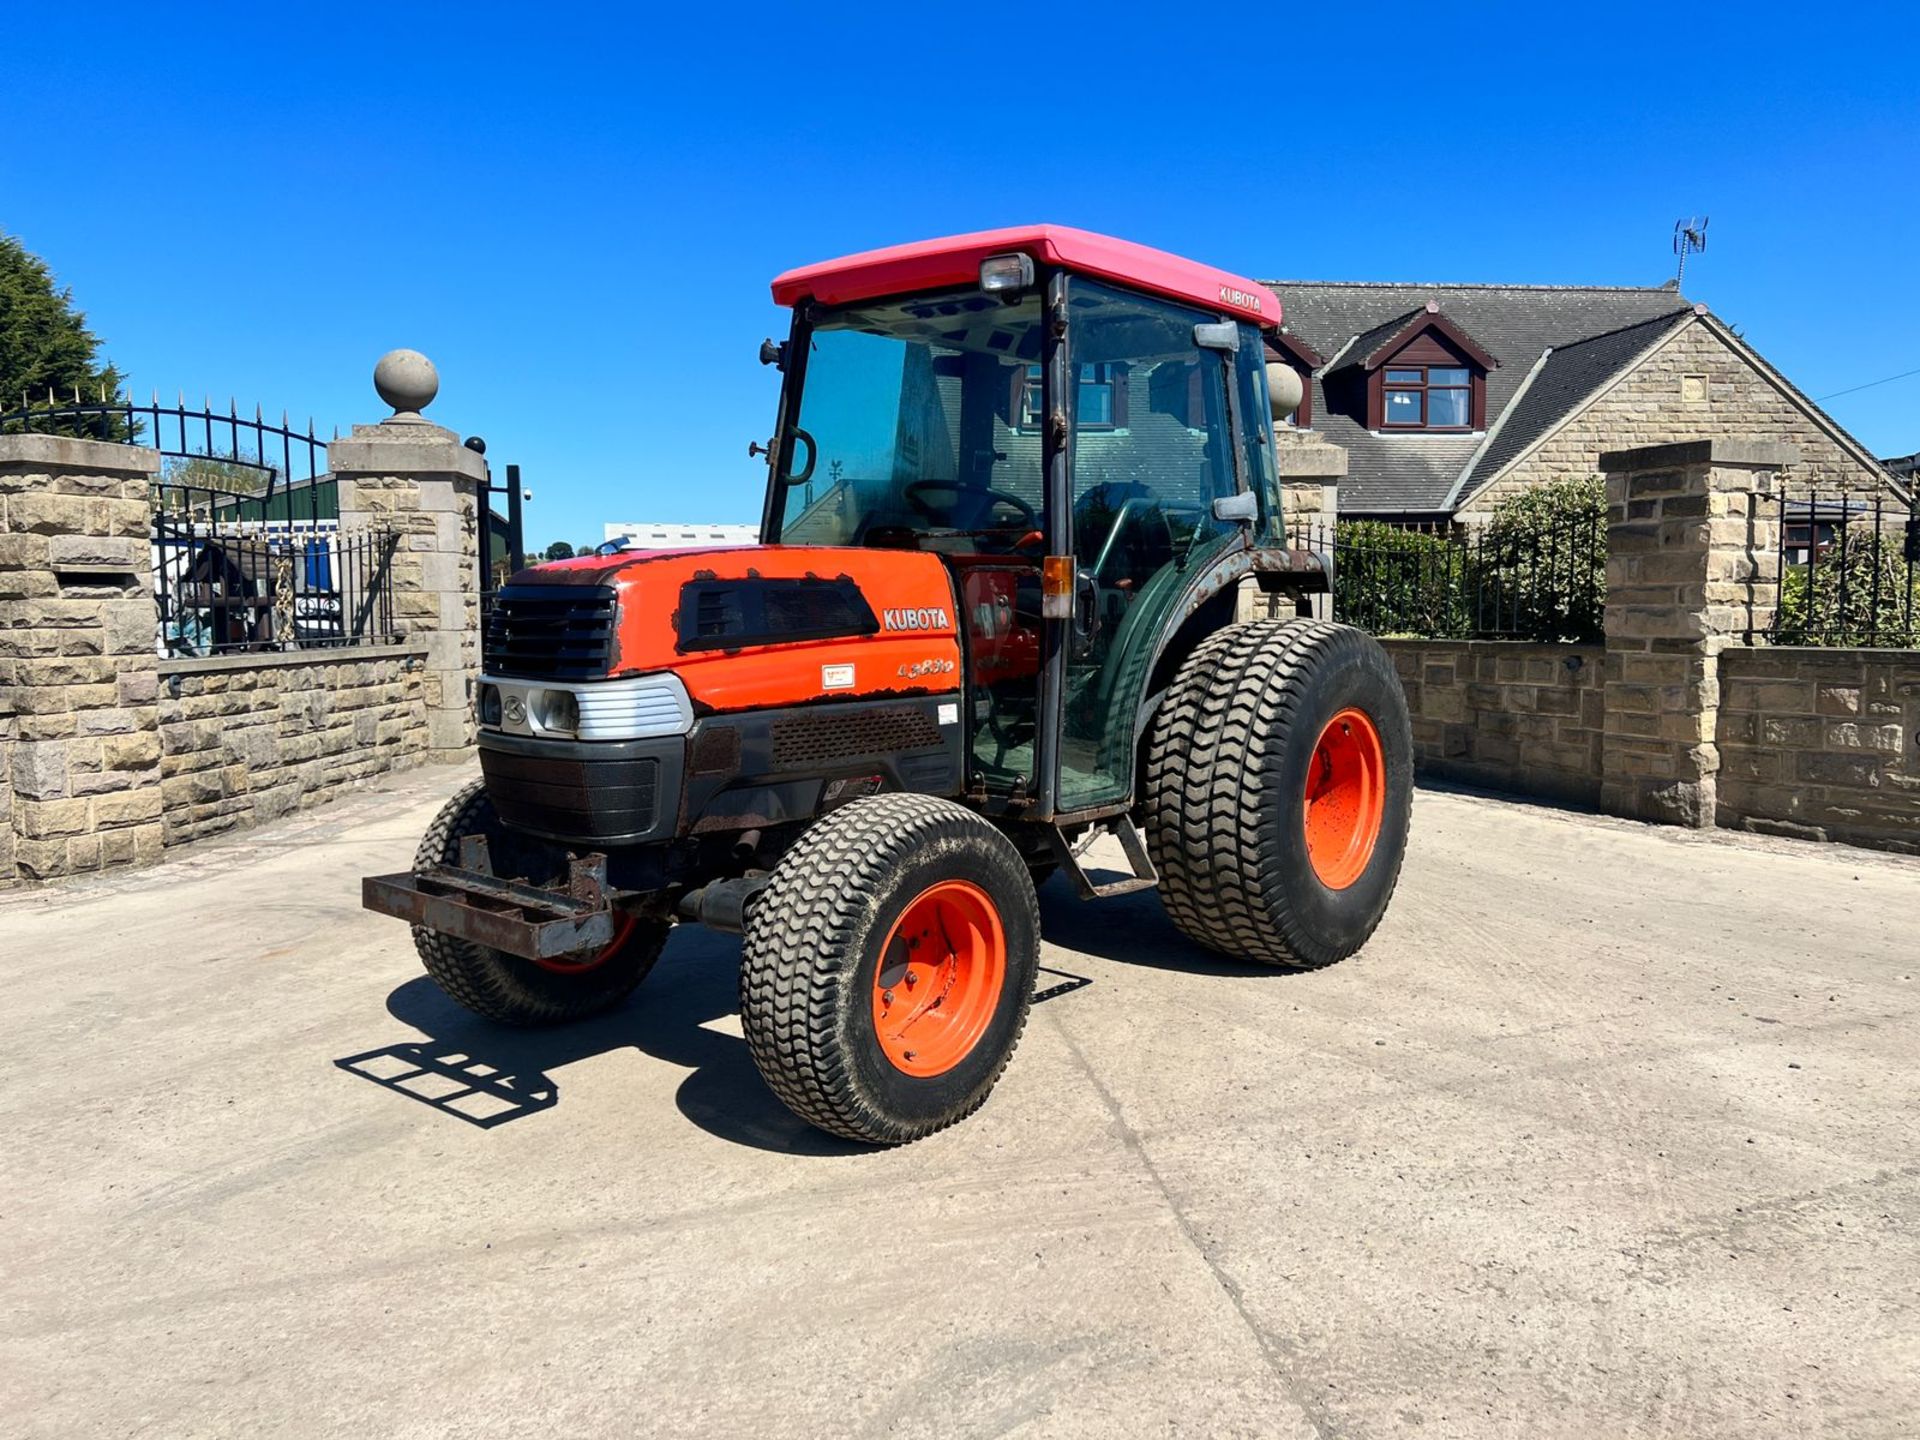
{"points": [[1206, 605], [1209, 604]]}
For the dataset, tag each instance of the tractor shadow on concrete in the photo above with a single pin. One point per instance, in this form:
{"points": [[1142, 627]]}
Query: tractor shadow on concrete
{"points": [[1129, 930], [685, 1014], [488, 1075]]}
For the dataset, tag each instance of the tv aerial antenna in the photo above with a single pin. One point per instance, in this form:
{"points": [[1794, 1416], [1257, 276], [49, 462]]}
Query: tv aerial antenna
{"points": [[1689, 238]]}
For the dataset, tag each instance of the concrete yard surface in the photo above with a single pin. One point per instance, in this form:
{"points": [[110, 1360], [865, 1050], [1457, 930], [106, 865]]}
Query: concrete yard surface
{"points": [[1611, 1131]]}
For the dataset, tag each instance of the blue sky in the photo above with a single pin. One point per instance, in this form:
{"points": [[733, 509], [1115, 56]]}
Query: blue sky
{"points": [[576, 210]]}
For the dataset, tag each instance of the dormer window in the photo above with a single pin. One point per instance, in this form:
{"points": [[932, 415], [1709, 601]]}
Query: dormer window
{"points": [[1417, 372], [1428, 397]]}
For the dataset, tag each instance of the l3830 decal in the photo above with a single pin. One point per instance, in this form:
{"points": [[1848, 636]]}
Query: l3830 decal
{"points": [[918, 668]]}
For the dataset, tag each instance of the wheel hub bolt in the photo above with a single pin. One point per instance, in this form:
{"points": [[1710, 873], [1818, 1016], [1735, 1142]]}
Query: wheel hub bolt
{"points": [[886, 997], [911, 978]]}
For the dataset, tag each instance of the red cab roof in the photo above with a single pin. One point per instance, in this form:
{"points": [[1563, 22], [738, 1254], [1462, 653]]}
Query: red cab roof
{"points": [[941, 264]]}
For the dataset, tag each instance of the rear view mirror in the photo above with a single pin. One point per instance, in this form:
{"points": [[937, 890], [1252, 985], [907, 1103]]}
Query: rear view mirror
{"points": [[1244, 507], [1284, 388]]}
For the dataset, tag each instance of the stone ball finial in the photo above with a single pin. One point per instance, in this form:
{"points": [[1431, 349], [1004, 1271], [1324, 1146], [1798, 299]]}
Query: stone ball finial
{"points": [[406, 380], [1284, 389]]}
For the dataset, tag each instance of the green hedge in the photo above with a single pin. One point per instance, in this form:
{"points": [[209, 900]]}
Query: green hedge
{"points": [[1537, 571]]}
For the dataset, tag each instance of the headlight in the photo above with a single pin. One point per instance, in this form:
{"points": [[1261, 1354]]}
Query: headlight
{"points": [[636, 708], [558, 711]]}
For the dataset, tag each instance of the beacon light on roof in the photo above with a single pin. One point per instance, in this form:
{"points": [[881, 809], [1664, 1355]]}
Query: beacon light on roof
{"points": [[1006, 274]]}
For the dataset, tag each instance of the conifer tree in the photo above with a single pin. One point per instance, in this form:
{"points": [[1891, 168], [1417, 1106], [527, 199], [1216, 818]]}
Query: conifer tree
{"points": [[45, 346]]}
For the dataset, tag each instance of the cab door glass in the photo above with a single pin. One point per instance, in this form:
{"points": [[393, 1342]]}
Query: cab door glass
{"points": [[1256, 427], [1150, 451]]}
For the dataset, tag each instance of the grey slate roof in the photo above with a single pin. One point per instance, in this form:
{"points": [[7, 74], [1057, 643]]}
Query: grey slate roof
{"points": [[1571, 373], [1390, 474], [1365, 344]]}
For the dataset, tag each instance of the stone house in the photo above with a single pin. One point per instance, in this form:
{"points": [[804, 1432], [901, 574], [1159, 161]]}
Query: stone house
{"points": [[1448, 397]]}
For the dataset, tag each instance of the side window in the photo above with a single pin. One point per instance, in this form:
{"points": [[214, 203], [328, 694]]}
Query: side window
{"points": [[1149, 439]]}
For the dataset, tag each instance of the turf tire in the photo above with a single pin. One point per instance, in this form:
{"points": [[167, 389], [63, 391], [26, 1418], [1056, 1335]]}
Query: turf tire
{"points": [[813, 944], [1227, 768]]}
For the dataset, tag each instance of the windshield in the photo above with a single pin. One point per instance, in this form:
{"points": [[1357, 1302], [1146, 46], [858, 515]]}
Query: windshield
{"points": [[919, 418]]}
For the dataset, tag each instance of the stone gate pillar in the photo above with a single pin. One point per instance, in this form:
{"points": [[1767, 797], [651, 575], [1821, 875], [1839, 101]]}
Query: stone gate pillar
{"points": [[1310, 471], [79, 708], [416, 478], [1690, 570]]}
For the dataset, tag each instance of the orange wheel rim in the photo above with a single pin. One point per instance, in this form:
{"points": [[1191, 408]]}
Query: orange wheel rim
{"points": [[1346, 798], [580, 961], [939, 978]]}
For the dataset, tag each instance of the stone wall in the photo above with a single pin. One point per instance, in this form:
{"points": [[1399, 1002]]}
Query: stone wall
{"points": [[244, 739], [1822, 744], [102, 764], [1652, 406], [1678, 718], [1507, 715], [77, 683]]}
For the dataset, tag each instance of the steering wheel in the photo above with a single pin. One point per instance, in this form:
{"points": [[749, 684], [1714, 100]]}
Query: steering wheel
{"points": [[913, 496]]}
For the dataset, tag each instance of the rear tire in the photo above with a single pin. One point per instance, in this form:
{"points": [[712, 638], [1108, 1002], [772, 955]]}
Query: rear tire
{"points": [[1279, 787], [888, 966], [507, 988]]}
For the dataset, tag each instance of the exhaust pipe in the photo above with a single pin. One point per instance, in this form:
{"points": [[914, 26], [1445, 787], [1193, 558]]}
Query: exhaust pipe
{"points": [[722, 905]]}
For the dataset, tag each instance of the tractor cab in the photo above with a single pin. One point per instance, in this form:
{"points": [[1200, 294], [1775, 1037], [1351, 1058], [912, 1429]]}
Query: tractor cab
{"points": [[1078, 427]]}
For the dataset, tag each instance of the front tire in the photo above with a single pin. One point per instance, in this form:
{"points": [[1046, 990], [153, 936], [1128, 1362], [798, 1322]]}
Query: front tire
{"points": [[507, 988], [888, 967], [1279, 789]]}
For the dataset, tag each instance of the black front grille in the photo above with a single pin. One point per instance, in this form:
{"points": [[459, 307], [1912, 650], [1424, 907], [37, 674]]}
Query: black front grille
{"points": [[549, 632], [585, 801], [824, 736]]}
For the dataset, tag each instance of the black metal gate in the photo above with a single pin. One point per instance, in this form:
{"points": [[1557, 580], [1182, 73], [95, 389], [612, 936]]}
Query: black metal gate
{"points": [[504, 551]]}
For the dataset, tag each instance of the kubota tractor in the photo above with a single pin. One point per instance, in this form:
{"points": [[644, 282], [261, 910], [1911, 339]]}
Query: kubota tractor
{"points": [[1016, 482]]}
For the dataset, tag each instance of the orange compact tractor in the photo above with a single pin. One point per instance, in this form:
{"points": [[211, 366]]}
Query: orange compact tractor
{"points": [[1016, 483]]}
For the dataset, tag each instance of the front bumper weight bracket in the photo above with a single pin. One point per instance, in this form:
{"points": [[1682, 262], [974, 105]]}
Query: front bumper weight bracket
{"points": [[470, 903]]}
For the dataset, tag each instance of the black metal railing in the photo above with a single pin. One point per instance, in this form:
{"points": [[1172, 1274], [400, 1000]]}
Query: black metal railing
{"points": [[248, 550], [1535, 582], [265, 585], [1849, 568], [242, 468]]}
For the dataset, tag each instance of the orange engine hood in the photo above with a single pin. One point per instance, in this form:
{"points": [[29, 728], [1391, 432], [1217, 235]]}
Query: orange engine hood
{"points": [[915, 649]]}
